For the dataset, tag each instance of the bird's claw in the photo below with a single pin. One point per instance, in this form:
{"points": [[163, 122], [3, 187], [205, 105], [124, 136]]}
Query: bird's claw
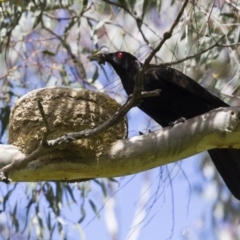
{"points": [[141, 133], [4, 178], [180, 120]]}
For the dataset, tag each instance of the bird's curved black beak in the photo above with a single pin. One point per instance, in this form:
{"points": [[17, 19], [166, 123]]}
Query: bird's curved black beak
{"points": [[100, 57]]}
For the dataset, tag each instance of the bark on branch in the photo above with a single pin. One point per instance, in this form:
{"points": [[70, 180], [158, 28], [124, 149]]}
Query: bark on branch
{"points": [[217, 129]]}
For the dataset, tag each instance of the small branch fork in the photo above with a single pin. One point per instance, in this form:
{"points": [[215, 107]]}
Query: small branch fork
{"points": [[166, 36]]}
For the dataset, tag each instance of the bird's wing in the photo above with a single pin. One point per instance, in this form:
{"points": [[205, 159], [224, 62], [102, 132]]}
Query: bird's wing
{"points": [[180, 80]]}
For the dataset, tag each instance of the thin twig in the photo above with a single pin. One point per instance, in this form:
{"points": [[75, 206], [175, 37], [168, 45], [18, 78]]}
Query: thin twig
{"points": [[166, 36], [138, 20], [233, 5], [217, 44], [193, 55], [69, 50], [139, 81]]}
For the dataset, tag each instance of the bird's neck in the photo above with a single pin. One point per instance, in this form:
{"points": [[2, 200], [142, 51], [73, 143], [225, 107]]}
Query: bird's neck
{"points": [[128, 77]]}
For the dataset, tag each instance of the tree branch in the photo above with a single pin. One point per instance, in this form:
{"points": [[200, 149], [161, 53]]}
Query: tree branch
{"points": [[166, 36], [219, 128], [47, 146], [217, 44]]}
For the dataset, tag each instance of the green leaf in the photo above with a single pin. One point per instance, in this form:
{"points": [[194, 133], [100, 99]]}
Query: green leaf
{"points": [[52, 231], [14, 218], [123, 3], [85, 3], [103, 187], [47, 52], [228, 15], [94, 208], [69, 190], [132, 3], [95, 75], [145, 7], [113, 180], [6, 197], [49, 224], [83, 212]]}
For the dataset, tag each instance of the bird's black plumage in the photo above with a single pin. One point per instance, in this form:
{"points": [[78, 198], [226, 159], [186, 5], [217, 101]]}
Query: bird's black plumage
{"points": [[180, 97]]}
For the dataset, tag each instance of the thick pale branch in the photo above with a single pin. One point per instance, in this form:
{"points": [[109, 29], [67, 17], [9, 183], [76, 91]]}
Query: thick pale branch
{"points": [[217, 129]]}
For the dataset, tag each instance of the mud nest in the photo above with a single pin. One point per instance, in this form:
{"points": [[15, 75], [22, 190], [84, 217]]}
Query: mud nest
{"points": [[67, 110]]}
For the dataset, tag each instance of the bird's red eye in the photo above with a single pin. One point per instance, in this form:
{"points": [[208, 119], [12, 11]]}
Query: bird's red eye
{"points": [[120, 55]]}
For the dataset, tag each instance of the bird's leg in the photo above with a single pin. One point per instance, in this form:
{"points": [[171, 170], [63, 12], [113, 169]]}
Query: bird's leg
{"points": [[180, 120], [141, 133]]}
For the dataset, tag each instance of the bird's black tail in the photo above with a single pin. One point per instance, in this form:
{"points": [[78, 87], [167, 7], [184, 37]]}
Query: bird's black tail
{"points": [[227, 162]]}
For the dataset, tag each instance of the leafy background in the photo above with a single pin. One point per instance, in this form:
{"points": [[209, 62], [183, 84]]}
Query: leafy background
{"points": [[47, 43]]}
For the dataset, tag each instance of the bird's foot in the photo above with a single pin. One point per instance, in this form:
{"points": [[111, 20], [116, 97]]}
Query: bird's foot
{"points": [[141, 133], [180, 120], [4, 178]]}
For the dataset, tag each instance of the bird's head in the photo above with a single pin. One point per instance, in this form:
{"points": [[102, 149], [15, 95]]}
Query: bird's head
{"points": [[122, 62], [126, 66]]}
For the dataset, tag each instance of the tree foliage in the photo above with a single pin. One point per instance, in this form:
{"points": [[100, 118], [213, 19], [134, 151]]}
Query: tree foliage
{"points": [[47, 43]]}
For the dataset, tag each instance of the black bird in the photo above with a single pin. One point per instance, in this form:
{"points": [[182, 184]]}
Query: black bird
{"points": [[180, 97]]}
